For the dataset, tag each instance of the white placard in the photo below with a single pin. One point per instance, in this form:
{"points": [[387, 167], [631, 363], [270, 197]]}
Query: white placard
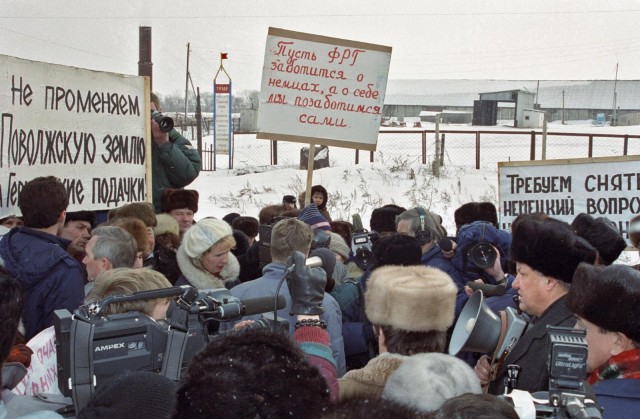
{"points": [[222, 111], [322, 90], [602, 187], [85, 127]]}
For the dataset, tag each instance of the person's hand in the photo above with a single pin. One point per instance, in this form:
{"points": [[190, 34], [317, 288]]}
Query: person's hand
{"points": [[242, 324], [159, 137], [496, 271], [483, 370], [306, 286], [469, 291]]}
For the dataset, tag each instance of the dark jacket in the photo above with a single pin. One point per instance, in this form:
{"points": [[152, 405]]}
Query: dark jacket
{"points": [[435, 259], [50, 278], [173, 165], [163, 260], [619, 397], [531, 351]]}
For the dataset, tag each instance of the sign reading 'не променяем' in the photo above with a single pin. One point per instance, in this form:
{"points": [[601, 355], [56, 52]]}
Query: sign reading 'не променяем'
{"points": [[85, 127], [322, 90], [602, 187]]}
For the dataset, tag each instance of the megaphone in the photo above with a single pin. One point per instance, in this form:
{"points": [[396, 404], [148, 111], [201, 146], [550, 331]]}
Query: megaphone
{"points": [[479, 329]]}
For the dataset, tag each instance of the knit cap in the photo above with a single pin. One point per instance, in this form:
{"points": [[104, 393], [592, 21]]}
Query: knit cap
{"points": [[339, 246], [312, 216], [204, 234]]}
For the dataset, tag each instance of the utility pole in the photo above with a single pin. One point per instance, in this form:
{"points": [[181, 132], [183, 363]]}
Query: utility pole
{"points": [[186, 88], [563, 107], [614, 116]]}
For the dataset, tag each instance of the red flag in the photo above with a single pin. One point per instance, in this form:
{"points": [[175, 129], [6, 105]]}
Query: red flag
{"points": [[223, 55]]}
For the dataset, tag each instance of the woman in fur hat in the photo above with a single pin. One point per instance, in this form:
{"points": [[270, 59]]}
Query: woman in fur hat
{"points": [[205, 257], [601, 297]]}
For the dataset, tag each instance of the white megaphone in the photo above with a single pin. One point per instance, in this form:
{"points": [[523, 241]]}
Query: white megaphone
{"points": [[479, 329]]}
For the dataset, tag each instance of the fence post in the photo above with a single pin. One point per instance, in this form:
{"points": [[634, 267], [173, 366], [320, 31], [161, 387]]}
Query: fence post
{"points": [[371, 157], [532, 154], [477, 150], [424, 147], [357, 156], [442, 152], [436, 157], [625, 146], [275, 153], [590, 146], [544, 138]]}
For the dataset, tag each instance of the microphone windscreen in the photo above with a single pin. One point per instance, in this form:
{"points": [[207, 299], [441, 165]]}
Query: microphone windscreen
{"points": [[445, 244], [261, 305]]}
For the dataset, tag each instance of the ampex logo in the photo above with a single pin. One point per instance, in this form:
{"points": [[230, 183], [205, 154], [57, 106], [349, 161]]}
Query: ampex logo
{"points": [[109, 347]]}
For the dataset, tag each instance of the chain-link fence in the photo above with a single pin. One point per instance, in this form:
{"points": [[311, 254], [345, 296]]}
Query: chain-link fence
{"points": [[463, 148]]}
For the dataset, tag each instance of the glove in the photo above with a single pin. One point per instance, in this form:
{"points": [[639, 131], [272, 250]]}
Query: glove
{"points": [[306, 286]]}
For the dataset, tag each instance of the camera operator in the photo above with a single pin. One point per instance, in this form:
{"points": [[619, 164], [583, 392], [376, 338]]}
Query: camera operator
{"points": [[601, 297], [287, 236], [546, 252], [174, 161], [262, 373]]}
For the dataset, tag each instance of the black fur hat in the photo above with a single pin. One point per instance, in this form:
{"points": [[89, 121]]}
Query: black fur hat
{"points": [[550, 247], [397, 249], [179, 198], [476, 211], [383, 219], [602, 234], [603, 295], [248, 225]]}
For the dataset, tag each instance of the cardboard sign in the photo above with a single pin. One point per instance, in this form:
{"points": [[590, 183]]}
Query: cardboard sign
{"points": [[322, 90], [85, 127], [601, 187]]}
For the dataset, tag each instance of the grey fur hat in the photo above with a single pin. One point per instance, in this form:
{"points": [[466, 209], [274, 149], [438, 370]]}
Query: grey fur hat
{"points": [[424, 381]]}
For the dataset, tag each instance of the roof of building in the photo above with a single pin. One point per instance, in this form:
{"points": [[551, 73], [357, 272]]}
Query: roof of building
{"points": [[578, 94]]}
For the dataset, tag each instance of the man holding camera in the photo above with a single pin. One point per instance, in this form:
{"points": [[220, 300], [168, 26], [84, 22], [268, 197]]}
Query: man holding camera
{"points": [[174, 161], [546, 252], [288, 236]]}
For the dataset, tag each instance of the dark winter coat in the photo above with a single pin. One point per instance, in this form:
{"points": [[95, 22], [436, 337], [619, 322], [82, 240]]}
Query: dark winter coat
{"points": [[619, 397], [50, 278], [173, 165], [531, 352]]}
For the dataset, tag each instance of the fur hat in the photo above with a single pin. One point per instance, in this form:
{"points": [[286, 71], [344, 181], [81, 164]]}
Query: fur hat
{"points": [[601, 234], [550, 247], [179, 198], [312, 216], [204, 234], [166, 224], [411, 298], [137, 229], [397, 249], [425, 381], [383, 219], [148, 394], [248, 225], [289, 199], [141, 210], [230, 217], [603, 295], [339, 246], [475, 211], [88, 216]]}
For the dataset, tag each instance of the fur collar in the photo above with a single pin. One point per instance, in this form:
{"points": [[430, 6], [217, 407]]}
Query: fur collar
{"points": [[201, 279], [377, 370]]}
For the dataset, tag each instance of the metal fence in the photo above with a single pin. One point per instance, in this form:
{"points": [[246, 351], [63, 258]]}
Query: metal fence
{"points": [[481, 149]]}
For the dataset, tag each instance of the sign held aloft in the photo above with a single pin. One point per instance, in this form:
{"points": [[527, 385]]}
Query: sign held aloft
{"points": [[322, 90]]}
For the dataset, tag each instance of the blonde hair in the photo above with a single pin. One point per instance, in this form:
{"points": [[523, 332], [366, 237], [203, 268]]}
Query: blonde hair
{"points": [[126, 281]]}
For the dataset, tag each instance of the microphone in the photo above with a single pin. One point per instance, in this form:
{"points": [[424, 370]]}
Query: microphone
{"points": [[445, 244], [248, 307], [312, 262], [487, 289]]}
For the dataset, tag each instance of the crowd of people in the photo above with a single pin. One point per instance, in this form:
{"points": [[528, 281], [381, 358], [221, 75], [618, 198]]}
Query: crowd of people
{"points": [[368, 331]]}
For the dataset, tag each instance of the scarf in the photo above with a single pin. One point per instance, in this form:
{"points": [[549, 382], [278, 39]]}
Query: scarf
{"points": [[623, 365]]}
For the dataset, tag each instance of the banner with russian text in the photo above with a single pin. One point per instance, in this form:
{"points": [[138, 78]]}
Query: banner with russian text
{"points": [[602, 187], [322, 90], [222, 117], [85, 127]]}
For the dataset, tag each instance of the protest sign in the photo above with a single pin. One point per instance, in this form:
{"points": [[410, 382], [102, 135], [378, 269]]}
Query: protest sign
{"points": [[322, 90], [602, 187], [85, 127]]}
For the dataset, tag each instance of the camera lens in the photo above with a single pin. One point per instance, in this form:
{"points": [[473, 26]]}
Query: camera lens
{"points": [[483, 255]]}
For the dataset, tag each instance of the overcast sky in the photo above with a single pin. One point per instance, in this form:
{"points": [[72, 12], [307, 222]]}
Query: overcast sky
{"points": [[464, 39]]}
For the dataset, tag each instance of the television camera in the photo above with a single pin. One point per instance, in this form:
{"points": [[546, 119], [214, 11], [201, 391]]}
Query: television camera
{"points": [[362, 243], [92, 346], [479, 329], [164, 122]]}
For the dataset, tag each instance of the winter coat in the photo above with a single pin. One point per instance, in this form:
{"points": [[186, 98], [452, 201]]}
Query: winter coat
{"points": [[266, 285], [531, 351], [173, 165], [368, 382], [204, 280], [51, 278], [619, 397], [435, 259], [164, 260]]}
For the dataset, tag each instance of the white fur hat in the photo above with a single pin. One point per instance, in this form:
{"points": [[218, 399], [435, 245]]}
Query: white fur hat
{"points": [[166, 224], [204, 234], [425, 381], [411, 298]]}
